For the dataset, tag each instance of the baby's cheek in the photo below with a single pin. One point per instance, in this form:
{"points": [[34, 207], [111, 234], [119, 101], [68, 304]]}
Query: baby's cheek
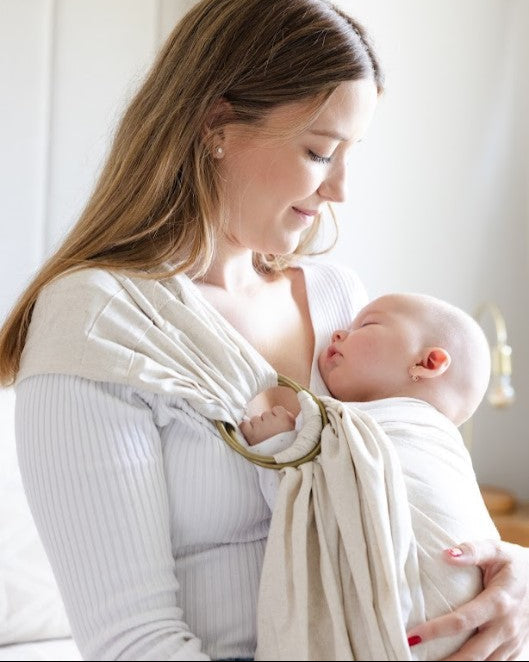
{"points": [[338, 384]]}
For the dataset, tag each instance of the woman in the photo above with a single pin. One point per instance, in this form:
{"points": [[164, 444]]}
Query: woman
{"points": [[220, 169]]}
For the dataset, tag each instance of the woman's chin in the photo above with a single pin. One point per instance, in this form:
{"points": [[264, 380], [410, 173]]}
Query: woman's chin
{"points": [[288, 245], [279, 249]]}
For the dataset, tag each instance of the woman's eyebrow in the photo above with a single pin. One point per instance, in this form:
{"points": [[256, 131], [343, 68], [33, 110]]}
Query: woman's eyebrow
{"points": [[331, 134]]}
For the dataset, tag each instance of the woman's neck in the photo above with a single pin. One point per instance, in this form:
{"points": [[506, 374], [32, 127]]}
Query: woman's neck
{"points": [[233, 272]]}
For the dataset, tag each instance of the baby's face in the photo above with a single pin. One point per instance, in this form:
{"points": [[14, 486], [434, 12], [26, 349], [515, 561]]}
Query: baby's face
{"points": [[370, 359]]}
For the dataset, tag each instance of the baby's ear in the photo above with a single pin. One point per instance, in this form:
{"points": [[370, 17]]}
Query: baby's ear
{"points": [[434, 361]]}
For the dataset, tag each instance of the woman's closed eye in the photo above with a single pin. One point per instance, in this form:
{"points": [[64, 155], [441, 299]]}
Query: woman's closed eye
{"points": [[318, 158]]}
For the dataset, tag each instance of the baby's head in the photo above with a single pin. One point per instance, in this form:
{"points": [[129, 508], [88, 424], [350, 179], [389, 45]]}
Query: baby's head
{"points": [[410, 345]]}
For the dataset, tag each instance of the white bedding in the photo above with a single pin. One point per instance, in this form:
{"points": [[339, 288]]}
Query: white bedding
{"points": [[30, 604], [31, 608], [51, 649]]}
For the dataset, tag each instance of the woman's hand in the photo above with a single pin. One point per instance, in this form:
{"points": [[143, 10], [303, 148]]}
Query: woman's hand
{"points": [[500, 613]]}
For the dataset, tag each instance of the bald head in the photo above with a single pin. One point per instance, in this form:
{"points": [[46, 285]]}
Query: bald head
{"points": [[458, 391]]}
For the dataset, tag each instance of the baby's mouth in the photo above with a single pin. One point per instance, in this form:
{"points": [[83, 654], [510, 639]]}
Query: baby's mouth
{"points": [[332, 352]]}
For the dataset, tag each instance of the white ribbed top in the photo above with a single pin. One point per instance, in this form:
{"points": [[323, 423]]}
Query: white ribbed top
{"points": [[155, 529]]}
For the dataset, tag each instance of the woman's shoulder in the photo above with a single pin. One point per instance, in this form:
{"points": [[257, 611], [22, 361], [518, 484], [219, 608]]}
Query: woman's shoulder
{"points": [[85, 280], [89, 292], [72, 311], [75, 299]]}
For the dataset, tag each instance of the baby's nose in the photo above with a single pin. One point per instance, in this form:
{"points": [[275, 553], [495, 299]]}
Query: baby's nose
{"points": [[339, 335]]}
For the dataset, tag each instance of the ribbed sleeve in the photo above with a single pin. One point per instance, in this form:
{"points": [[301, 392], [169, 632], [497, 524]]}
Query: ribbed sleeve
{"points": [[91, 461], [155, 529]]}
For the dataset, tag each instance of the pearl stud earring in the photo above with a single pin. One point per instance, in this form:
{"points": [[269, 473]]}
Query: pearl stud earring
{"points": [[219, 152]]}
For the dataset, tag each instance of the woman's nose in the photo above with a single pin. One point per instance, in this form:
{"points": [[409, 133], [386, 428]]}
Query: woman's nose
{"points": [[339, 335], [333, 188]]}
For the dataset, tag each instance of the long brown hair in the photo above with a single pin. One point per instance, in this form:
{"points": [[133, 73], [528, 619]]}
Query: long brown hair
{"points": [[158, 199]]}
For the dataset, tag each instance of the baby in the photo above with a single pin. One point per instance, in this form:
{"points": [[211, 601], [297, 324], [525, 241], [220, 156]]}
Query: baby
{"points": [[418, 367], [399, 345]]}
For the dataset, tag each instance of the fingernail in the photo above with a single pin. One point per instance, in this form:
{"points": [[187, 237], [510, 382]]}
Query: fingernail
{"points": [[455, 552], [413, 641]]}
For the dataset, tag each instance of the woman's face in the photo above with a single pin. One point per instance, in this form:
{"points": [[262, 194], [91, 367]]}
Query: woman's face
{"points": [[270, 182]]}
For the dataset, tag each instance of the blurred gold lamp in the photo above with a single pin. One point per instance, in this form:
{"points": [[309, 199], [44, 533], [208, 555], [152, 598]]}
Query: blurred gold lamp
{"points": [[499, 394]]}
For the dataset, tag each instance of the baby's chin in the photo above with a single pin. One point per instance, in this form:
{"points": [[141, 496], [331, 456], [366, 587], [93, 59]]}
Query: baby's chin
{"points": [[324, 371], [321, 364]]}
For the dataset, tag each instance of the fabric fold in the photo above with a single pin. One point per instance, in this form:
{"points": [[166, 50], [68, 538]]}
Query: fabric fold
{"points": [[353, 557], [162, 336]]}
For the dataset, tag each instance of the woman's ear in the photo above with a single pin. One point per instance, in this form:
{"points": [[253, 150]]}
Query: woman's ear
{"points": [[434, 362], [215, 119]]}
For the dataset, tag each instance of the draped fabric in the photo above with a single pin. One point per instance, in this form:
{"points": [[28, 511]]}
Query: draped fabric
{"points": [[162, 336], [354, 551]]}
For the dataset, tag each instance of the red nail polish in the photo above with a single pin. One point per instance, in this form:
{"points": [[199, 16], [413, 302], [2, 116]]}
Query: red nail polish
{"points": [[413, 641], [455, 552]]}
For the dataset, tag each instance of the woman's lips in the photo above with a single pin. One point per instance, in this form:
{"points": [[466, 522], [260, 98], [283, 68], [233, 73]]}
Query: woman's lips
{"points": [[307, 212], [306, 216]]}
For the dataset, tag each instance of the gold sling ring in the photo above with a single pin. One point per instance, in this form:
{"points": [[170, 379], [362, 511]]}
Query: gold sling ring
{"points": [[227, 432]]}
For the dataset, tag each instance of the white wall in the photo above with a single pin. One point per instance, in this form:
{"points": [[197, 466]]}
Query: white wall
{"points": [[438, 193], [24, 47], [67, 68], [438, 190]]}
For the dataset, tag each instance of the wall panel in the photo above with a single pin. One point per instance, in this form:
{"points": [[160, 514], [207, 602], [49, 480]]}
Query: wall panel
{"points": [[102, 50], [25, 58]]}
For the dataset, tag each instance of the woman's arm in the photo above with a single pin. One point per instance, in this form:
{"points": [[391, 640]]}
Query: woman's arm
{"points": [[91, 461], [500, 613]]}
